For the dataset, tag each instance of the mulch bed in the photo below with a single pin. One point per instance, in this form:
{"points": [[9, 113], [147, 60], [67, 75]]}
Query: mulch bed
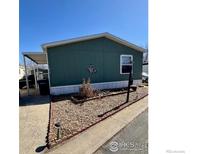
{"points": [[74, 118]]}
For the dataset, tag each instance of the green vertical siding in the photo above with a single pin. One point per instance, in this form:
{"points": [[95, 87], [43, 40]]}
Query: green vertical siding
{"points": [[68, 63]]}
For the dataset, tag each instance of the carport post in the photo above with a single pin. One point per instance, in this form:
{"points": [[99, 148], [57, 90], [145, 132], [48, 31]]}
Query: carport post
{"points": [[27, 85], [37, 73], [34, 70]]}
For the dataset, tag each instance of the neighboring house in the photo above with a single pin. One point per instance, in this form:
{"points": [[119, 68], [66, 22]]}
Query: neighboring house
{"points": [[104, 58], [21, 71], [41, 75]]}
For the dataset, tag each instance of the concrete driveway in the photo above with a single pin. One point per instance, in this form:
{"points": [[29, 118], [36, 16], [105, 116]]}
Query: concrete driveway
{"points": [[133, 139], [33, 121]]}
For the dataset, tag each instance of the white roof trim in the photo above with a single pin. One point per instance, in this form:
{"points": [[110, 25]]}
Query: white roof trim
{"points": [[107, 35]]}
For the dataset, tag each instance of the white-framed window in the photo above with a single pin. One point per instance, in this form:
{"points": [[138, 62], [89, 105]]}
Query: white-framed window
{"points": [[126, 63]]}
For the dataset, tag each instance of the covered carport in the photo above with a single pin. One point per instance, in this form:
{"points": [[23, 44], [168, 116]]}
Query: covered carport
{"points": [[37, 59]]}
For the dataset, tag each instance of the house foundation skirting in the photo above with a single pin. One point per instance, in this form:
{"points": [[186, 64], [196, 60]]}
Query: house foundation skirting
{"points": [[58, 90]]}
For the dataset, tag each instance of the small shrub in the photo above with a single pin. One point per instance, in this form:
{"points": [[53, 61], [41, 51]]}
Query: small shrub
{"points": [[86, 89]]}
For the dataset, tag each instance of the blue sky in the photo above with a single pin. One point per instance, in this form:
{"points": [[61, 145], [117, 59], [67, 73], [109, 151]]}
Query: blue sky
{"points": [[43, 21]]}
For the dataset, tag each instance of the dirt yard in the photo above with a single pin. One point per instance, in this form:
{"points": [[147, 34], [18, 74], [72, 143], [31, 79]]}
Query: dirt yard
{"points": [[74, 118]]}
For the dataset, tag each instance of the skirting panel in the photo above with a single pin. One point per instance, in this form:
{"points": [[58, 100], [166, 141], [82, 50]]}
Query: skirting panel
{"points": [[104, 85]]}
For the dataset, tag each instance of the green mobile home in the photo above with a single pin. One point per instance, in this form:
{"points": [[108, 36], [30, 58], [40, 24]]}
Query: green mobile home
{"points": [[104, 58]]}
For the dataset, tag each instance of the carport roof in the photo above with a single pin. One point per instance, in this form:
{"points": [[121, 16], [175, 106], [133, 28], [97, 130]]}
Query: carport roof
{"points": [[37, 57]]}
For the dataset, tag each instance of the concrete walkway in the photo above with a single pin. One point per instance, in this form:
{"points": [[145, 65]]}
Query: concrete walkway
{"points": [[90, 140], [132, 139], [33, 121]]}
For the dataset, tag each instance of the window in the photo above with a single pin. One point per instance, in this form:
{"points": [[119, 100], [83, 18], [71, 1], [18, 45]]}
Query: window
{"points": [[126, 63]]}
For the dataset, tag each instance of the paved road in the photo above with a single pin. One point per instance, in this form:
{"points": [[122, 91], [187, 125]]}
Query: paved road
{"points": [[133, 139], [33, 121]]}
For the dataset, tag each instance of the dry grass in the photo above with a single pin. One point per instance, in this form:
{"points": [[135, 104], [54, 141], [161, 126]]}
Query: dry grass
{"points": [[86, 89]]}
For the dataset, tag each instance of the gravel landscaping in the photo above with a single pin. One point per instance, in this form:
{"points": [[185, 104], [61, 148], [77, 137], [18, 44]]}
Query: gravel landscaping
{"points": [[74, 118]]}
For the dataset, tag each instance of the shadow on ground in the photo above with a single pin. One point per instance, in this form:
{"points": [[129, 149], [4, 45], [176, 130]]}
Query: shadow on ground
{"points": [[40, 148], [34, 100]]}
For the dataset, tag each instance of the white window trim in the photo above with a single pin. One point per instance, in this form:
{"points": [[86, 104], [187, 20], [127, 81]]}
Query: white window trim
{"points": [[125, 64]]}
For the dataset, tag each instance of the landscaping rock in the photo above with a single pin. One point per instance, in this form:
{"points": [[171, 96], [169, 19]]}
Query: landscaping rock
{"points": [[74, 118]]}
